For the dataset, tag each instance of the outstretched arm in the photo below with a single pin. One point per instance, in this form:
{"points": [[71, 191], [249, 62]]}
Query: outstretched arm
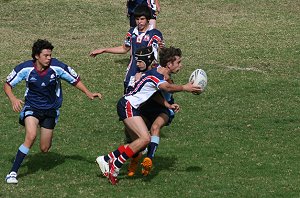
{"points": [[113, 50], [189, 87], [157, 6], [89, 94], [15, 102]]}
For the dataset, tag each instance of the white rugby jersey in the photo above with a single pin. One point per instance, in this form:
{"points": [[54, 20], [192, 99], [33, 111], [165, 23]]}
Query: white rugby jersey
{"points": [[145, 87]]}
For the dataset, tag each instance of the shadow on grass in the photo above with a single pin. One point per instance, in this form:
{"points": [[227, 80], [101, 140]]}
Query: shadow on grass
{"points": [[47, 161], [193, 169]]}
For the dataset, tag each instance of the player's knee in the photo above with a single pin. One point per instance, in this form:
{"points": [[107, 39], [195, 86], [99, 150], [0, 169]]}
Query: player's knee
{"points": [[30, 138], [146, 140], [155, 129], [45, 148]]}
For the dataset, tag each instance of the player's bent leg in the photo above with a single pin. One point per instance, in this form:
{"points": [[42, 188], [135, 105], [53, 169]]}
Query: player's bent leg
{"points": [[134, 160], [31, 124], [47, 127], [46, 139], [138, 127], [159, 122], [130, 136]]}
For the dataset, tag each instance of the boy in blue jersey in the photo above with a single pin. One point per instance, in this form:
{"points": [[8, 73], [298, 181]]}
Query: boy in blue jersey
{"points": [[152, 4], [43, 98], [142, 35], [128, 109]]}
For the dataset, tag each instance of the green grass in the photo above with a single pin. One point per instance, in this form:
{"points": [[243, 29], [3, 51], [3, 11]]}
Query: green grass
{"points": [[238, 139]]}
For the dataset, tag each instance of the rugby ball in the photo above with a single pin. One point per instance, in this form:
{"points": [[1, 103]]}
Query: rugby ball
{"points": [[199, 77]]}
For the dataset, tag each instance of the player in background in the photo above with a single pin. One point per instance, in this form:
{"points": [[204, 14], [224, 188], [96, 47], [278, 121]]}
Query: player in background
{"points": [[154, 114], [128, 109], [132, 4], [142, 35], [43, 98]]}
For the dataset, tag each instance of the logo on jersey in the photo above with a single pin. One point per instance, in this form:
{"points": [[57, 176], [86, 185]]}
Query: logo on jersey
{"points": [[52, 77], [147, 37], [43, 84], [28, 113], [33, 79], [139, 38]]}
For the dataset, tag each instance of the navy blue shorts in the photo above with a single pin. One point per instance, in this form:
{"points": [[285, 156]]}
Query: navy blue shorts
{"points": [[47, 118], [151, 110], [125, 110]]}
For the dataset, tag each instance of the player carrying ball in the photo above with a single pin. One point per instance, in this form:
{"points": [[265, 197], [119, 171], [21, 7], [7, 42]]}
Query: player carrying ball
{"points": [[128, 109]]}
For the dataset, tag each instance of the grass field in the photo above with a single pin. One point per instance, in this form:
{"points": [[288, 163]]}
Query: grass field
{"points": [[238, 139]]}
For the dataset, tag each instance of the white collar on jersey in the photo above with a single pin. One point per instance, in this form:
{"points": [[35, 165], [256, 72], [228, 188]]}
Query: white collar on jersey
{"points": [[136, 31]]}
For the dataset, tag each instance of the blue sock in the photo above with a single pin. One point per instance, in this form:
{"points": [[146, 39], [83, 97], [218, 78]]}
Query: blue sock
{"points": [[21, 154], [152, 146]]}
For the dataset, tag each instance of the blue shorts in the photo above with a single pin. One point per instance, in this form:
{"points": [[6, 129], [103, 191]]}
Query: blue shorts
{"points": [[47, 118], [125, 110], [151, 110]]}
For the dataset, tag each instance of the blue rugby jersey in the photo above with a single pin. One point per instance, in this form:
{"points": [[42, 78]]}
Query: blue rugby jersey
{"points": [[132, 4], [43, 88], [135, 40]]}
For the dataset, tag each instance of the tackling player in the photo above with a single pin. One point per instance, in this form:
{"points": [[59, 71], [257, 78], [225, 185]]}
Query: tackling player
{"points": [[43, 98], [128, 109]]}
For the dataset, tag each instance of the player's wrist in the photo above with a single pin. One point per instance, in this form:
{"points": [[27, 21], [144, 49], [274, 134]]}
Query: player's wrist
{"points": [[184, 88]]}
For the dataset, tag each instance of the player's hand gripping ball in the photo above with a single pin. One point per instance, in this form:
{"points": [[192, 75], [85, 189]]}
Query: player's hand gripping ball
{"points": [[199, 77]]}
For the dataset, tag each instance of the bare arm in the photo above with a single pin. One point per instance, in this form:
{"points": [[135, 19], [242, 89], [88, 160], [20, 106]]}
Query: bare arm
{"points": [[15, 102], [157, 6], [189, 87], [89, 94], [113, 50]]}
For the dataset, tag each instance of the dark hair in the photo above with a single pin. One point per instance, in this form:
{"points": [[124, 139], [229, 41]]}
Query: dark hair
{"points": [[145, 54], [39, 45], [168, 55], [142, 10]]}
